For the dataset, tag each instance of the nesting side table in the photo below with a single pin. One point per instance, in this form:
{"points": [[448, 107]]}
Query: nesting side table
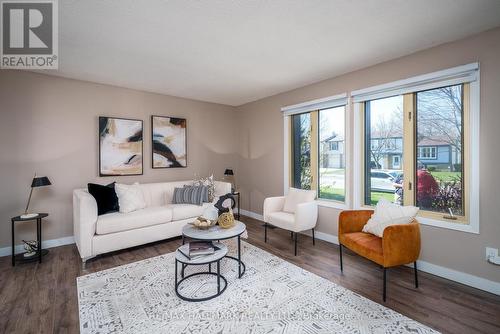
{"points": [[219, 254]]}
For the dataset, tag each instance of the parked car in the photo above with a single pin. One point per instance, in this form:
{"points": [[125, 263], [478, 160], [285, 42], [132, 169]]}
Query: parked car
{"points": [[383, 181], [395, 173]]}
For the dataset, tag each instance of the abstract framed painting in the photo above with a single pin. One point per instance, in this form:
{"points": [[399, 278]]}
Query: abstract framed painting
{"points": [[120, 146], [169, 139]]}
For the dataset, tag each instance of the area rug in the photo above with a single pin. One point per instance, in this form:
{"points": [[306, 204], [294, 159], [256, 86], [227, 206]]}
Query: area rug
{"points": [[274, 296]]}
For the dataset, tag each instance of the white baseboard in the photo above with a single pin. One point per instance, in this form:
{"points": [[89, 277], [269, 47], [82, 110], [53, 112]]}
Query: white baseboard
{"points": [[7, 251], [451, 274], [252, 215], [326, 237], [460, 277]]}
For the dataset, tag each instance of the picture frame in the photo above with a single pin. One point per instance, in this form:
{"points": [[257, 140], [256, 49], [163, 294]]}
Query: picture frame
{"points": [[121, 146], [168, 142]]}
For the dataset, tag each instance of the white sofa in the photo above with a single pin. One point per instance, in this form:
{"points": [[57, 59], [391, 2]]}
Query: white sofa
{"points": [[160, 219]]}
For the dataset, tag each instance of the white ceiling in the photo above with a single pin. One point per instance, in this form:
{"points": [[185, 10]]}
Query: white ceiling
{"points": [[234, 52]]}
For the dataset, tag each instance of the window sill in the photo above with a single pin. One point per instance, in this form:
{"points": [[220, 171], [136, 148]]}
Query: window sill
{"points": [[469, 228], [332, 204]]}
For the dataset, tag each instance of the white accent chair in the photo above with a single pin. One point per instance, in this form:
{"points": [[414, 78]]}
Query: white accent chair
{"points": [[295, 212]]}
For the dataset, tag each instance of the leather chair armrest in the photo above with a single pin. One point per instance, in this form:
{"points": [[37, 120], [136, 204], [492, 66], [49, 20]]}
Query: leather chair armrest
{"points": [[353, 220], [401, 244]]}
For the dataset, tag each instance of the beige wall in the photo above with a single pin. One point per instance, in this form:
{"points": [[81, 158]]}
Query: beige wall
{"points": [[260, 172], [50, 125]]}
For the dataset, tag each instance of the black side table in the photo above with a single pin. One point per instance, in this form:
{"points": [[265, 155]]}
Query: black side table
{"points": [[237, 194], [20, 257]]}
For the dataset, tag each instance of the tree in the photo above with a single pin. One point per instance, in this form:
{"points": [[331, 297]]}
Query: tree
{"points": [[439, 113]]}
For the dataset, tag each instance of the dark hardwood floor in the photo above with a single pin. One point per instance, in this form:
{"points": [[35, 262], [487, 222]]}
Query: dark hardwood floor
{"points": [[42, 298]]}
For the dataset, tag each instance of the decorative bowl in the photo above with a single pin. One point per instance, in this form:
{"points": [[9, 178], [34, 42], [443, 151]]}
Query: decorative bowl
{"points": [[203, 223]]}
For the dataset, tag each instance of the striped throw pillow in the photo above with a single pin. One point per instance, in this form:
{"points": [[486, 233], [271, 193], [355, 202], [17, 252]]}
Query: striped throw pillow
{"points": [[178, 197], [190, 195]]}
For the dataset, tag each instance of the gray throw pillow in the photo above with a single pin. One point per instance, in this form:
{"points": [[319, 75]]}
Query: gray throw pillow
{"points": [[178, 197], [190, 195]]}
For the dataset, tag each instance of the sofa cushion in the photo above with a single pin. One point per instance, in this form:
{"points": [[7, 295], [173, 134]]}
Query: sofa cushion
{"points": [[184, 211], [117, 222], [364, 244], [296, 196], [282, 220]]}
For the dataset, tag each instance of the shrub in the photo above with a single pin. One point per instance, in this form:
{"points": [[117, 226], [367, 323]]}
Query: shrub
{"points": [[448, 196]]}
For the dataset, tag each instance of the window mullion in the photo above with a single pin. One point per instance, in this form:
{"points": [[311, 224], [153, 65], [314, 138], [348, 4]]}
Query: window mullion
{"points": [[409, 149], [314, 150]]}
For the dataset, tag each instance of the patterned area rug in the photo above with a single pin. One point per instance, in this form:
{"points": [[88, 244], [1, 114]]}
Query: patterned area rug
{"points": [[274, 296]]}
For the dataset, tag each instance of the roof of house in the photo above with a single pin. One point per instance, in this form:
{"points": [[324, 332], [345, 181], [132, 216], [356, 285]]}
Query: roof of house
{"points": [[433, 142], [333, 137]]}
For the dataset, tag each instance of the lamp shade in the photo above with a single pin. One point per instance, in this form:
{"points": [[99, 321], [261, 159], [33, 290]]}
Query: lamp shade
{"points": [[228, 172], [40, 182]]}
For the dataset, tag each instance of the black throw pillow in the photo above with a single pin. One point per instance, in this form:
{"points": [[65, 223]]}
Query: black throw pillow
{"points": [[105, 196]]}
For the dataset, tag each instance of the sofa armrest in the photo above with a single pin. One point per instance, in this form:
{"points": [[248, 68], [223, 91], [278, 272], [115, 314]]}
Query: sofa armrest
{"points": [[273, 204], [84, 221], [401, 244], [353, 220], [306, 216]]}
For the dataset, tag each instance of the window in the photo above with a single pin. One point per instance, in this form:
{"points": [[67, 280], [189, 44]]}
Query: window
{"points": [[431, 123], [396, 161], [439, 115], [332, 162], [426, 152], [434, 162], [383, 130], [317, 152], [301, 151]]}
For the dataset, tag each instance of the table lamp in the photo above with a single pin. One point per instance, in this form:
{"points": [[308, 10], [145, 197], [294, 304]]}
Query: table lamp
{"points": [[229, 176], [38, 181]]}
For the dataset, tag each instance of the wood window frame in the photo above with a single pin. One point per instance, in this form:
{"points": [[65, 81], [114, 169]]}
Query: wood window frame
{"points": [[466, 222], [315, 142]]}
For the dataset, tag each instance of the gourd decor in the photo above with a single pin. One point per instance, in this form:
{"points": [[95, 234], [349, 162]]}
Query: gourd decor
{"points": [[226, 220]]}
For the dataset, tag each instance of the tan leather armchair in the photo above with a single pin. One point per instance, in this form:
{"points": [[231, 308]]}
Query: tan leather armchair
{"points": [[399, 245]]}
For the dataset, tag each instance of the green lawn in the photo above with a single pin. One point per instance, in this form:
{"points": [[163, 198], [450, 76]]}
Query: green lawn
{"points": [[335, 194], [377, 196], [445, 176], [331, 171]]}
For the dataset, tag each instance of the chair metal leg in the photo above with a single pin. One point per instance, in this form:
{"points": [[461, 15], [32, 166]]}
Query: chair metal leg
{"points": [[416, 276], [385, 283], [265, 232], [314, 239], [295, 243], [341, 264]]}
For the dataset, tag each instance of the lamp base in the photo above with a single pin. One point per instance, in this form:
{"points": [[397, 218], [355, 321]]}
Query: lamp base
{"points": [[29, 215]]}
